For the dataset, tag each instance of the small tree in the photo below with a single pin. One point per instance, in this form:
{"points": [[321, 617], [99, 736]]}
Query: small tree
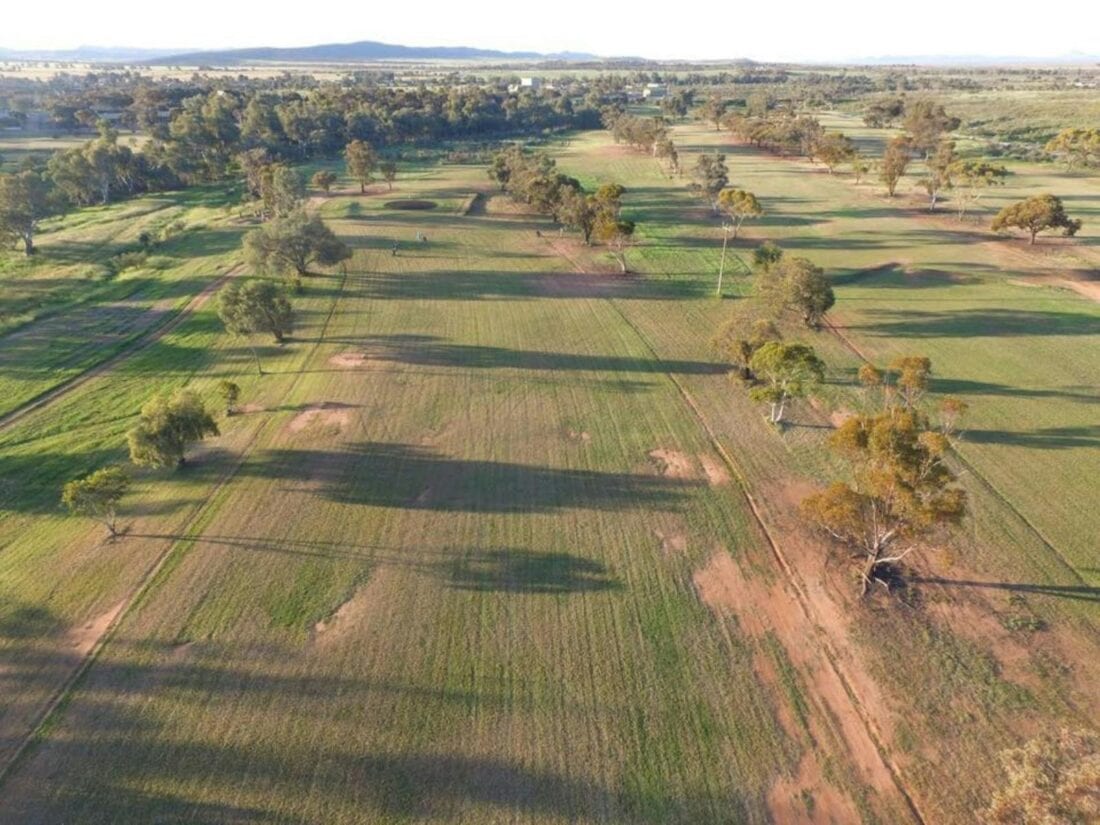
{"points": [[765, 256], [255, 307], [230, 393], [972, 178], [710, 177], [901, 490], [785, 371], [739, 204], [1052, 779], [97, 496], [292, 244], [323, 180], [895, 160], [860, 167], [1077, 147], [940, 167], [167, 427], [738, 341], [617, 233], [1035, 215], [389, 173], [281, 191], [362, 162]]}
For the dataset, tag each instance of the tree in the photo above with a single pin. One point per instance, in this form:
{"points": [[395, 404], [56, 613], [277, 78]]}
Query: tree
{"points": [[860, 166], [739, 204], [926, 123], [25, 201], [292, 244], [738, 342], [255, 307], [362, 161], [972, 178], [617, 233], [1035, 215], [323, 180], [785, 371], [765, 256], [97, 496], [281, 191], [389, 172], [168, 425], [901, 489], [835, 148], [711, 177], [1053, 779], [714, 109], [230, 393], [940, 167], [796, 284], [895, 160], [911, 375], [578, 211], [1077, 147]]}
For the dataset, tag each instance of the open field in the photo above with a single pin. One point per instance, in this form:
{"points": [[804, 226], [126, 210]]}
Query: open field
{"points": [[498, 540]]}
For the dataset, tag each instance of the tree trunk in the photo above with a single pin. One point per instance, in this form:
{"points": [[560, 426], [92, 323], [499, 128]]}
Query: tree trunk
{"points": [[256, 355], [1034, 232], [28, 244]]}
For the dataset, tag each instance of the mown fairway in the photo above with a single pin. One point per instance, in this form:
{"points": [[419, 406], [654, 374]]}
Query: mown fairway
{"points": [[479, 551]]}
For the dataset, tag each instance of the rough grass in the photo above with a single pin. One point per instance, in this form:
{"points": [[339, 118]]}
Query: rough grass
{"points": [[457, 599]]}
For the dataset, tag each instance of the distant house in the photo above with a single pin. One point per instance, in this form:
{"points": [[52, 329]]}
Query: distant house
{"points": [[654, 91], [530, 82]]}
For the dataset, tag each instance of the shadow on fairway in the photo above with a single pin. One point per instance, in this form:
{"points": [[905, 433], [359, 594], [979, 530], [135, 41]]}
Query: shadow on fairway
{"points": [[410, 477], [516, 570], [1049, 438], [432, 351], [977, 323], [482, 285]]}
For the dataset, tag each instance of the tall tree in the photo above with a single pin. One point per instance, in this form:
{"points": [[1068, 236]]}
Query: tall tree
{"points": [[713, 110], [362, 162], [25, 201], [926, 123], [617, 233], [97, 496], [323, 180], [1035, 215], [901, 489], [255, 307], [739, 205], [389, 173], [940, 165], [292, 244], [785, 371], [739, 340], [168, 425], [835, 148], [796, 285]]}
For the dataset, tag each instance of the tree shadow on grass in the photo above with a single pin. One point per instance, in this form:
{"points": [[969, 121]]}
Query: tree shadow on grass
{"points": [[432, 351], [1049, 438], [516, 570], [410, 477], [977, 323], [1075, 592]]}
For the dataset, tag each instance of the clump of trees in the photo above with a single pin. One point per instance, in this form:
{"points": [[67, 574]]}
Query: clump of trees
{"points": [[290, 245], [255, 307], [167, 427], [533, 178], [1036, 214], [739, 340], [1076, 147], [901, 486], [97, 496]]}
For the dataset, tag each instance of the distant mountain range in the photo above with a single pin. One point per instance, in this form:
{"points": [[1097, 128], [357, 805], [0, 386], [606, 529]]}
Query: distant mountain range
{"points": [[86, 54], [361, 51]]}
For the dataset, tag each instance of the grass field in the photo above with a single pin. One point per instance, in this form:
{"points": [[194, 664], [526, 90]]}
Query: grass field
{"points": [[498, 540]]}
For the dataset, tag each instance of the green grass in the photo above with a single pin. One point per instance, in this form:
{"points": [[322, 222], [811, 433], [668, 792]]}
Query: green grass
{"points": [[452, 592]]}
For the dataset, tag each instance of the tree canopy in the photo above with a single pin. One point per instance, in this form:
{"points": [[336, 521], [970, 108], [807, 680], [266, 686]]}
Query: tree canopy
{"points": [[25, 201], [1036, 214], [168, 425], [797, 285], [785, 371], [290, 245], [739, 204], [97, 495]]}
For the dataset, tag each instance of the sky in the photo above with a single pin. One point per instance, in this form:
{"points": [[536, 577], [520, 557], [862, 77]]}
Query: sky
{"points": [[791, 30]]}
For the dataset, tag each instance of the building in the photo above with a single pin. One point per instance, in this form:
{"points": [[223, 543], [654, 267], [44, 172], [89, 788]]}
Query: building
{"points": [[654, 91]]}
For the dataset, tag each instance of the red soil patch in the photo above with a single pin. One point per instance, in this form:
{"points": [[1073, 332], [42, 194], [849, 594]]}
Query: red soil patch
{"points": [[807, 798], [245, 409], [673, 464]]}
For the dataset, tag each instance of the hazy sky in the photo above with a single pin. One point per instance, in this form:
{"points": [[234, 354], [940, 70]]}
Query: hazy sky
{"points": [[768, 30]]}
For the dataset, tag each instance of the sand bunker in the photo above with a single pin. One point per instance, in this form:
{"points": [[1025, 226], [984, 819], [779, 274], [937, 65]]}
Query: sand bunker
{"points": [[327, 414]]}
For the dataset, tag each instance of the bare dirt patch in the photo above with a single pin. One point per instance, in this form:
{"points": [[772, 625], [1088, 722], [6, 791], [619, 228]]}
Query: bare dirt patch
{"points": [[578, 435], [673, 464], [716, 472], [349, 360], [84, 637], [1087, 289], [724, 588], [352, 613], [838, 417], [807, 797], [671, 542], [327, 414], [246, 409]]}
